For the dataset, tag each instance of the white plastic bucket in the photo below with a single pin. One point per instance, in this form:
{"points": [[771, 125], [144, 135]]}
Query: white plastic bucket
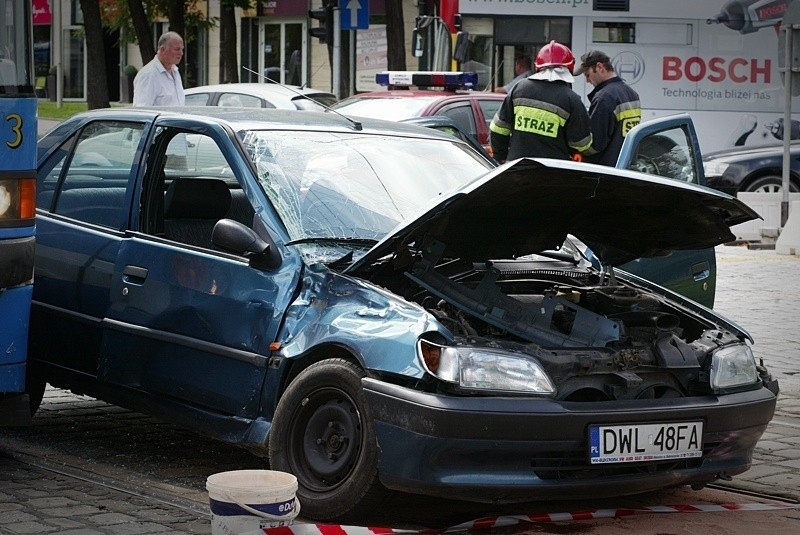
{"points": [[248, 500]]}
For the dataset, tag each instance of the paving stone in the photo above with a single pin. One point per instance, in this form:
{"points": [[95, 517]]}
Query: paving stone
{"points": [[29, 528], [764, 470], [8, 518], [51, 502], [78, 510], [793, 464], [106, 519], [64, 523]]}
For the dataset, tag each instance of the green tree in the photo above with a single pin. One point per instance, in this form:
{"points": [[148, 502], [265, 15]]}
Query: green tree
{"points": [[134, 19], [141, 29]]}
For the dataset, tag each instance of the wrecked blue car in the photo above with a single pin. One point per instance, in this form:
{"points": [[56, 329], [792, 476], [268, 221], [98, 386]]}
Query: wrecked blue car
{"points": [[375, 307]]}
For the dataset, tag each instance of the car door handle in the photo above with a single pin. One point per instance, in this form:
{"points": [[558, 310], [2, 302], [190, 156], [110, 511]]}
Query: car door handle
{"points": [[134, 274], [700, 271]]}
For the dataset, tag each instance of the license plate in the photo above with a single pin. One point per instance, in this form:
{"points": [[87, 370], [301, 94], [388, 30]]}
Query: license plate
{"points": [[645, 442]]}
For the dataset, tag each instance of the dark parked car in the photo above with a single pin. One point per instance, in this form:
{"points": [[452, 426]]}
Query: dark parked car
{"points": [[373, 306], [758, 169]]}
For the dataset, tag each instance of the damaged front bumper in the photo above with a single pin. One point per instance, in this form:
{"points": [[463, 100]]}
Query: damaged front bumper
{"points": [[511, 449]]}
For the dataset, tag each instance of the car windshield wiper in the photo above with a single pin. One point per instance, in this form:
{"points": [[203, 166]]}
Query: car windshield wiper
{"points": [[367, 242]]}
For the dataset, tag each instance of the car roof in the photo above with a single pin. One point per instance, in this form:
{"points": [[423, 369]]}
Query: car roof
{"points": [[257, 119], [257, 89], [277, 95]]}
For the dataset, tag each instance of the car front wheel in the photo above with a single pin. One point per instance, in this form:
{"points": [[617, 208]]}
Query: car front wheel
{"points": [[322, 434]]}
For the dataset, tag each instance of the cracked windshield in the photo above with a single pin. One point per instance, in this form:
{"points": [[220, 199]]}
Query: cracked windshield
{"points": [[342, 193]]}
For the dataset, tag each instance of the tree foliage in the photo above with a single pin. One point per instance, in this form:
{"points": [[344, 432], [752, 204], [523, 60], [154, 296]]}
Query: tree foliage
{"points": [[134, 17]]}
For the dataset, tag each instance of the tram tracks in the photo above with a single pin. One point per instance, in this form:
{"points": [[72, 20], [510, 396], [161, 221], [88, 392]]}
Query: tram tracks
{"points": [[171, 497]]}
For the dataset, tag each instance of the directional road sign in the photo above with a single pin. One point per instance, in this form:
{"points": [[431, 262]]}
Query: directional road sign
{"points": [[355, 14]]}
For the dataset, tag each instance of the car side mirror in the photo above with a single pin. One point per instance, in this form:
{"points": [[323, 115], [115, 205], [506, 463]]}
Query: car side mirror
{"points": [[237, 238]]}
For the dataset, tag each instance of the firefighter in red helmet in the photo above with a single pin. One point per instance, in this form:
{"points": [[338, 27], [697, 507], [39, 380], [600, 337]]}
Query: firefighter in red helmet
{"points": [[542, 116]]}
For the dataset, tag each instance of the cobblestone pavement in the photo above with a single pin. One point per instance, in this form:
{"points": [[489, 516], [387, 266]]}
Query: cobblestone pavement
{"points": [[34, 500], [760, 290], [54, 476]]}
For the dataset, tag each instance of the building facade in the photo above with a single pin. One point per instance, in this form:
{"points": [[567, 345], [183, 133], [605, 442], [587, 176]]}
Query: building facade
{"points": [[273, 41], [717, 60]]}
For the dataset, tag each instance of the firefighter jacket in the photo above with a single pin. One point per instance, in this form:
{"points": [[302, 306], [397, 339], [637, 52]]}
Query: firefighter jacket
{"points": [[614, 109], [541, 119]]}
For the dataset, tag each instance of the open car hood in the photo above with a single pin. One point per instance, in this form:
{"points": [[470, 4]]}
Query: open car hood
{"points": [[530, 205]]}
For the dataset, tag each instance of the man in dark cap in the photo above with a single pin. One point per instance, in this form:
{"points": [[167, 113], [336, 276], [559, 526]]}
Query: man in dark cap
{"points": [[614, 107]]}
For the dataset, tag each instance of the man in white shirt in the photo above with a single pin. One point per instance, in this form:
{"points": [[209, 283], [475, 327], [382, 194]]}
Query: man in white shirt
{"points": [[159, 82]]}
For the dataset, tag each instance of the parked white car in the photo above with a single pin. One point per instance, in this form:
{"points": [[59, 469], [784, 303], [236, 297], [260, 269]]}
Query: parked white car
{"points": [[260, 95]]}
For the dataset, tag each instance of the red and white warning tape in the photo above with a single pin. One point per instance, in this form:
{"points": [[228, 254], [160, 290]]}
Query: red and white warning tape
{"points": [[511, 520]]}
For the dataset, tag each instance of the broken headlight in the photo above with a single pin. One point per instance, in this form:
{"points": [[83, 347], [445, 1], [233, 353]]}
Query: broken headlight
{"points": [[477, 368], [732, 367]]}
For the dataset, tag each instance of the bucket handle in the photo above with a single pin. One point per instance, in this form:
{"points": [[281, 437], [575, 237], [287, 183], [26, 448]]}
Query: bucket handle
{"points": [[268, 516]]}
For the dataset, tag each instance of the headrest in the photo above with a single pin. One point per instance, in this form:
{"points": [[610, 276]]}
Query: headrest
{"points": [[197, 198]]}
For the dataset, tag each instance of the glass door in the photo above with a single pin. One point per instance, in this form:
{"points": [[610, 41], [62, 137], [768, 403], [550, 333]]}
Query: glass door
{"points": [[283, 49]]}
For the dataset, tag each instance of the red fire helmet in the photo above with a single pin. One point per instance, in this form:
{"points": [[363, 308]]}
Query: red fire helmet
{"points": [[555, 55]]}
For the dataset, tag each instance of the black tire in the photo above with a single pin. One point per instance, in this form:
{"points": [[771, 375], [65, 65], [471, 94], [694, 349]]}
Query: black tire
{"points": [[323, 434], [34, 386], [768, 184]]}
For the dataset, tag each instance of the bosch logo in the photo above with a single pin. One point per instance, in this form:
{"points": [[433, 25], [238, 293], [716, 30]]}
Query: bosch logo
{"points": [[629, 66], [716, 69]]}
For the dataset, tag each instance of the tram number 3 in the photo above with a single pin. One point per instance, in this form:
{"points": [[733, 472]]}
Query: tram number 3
{"points": [[16, 130]]}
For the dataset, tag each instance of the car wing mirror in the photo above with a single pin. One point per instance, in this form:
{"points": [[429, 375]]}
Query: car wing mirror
{"points": [[240, 239]]}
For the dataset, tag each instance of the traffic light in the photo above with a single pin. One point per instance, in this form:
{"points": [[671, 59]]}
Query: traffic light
{"points": [[323, 32]]}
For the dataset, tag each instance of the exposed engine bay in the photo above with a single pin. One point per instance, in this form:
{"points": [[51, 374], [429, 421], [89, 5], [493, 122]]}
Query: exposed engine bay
{"points": [[599, 338]]}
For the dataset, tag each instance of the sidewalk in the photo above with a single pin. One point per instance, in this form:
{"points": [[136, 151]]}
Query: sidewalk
{"points": [[45, 125], [760, 290]]}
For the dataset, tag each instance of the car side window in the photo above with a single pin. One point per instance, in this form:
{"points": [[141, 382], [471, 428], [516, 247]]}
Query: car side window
{"points": [[489, 109], [195, 190], [463, 117], [93, 186], [237, 99], [667, 153], [197, 99]]}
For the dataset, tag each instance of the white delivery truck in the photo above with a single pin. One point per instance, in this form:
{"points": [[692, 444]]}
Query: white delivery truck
{"points": [[715, 59]]}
